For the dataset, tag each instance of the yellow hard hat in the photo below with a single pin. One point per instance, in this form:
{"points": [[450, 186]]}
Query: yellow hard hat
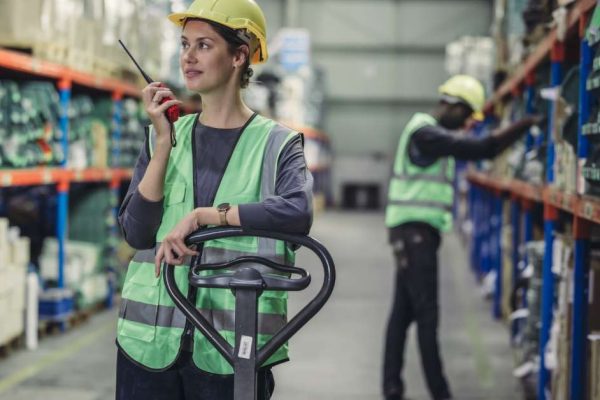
{"points": [[235, 14], [467, 89]]}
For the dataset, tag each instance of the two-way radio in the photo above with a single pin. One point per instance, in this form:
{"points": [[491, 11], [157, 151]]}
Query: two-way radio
{"points": [[172, 113]]}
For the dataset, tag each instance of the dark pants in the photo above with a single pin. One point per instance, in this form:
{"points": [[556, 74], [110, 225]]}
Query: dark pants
{"points": [[183, 381], [416, 299]]}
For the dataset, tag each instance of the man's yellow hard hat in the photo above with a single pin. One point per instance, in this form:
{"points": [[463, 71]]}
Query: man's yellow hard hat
{"points": [[235, 14], [467, 89]]}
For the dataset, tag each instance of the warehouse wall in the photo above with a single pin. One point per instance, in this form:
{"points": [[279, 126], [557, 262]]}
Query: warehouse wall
{"points": [[383, 60]]}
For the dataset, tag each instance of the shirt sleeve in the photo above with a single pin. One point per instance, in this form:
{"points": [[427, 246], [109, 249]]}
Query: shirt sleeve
{"points": [[432, 142], [290, 209], [140, 218]]}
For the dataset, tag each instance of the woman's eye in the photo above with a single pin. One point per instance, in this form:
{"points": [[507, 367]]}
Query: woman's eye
{"points": [[184, 45], [203, 46]]}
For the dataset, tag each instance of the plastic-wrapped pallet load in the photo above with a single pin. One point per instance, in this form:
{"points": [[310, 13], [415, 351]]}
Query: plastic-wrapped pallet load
{"points": [[594, 345], [594, 325], [13, 271], [558, 348], [84, 276]]}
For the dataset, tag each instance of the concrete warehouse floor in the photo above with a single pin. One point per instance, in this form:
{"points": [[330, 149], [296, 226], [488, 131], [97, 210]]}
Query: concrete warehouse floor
{"points": [[337, 356]]}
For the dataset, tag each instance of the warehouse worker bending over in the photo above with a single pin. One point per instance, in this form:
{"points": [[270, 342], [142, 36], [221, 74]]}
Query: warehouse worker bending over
{"points": [[421, 196]]}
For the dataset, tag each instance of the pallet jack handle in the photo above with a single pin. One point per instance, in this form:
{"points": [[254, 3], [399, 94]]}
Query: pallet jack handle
{"points": [[248, 283]]}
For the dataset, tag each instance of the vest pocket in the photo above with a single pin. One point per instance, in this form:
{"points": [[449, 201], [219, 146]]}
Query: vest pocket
{"points": [[175, 193]]}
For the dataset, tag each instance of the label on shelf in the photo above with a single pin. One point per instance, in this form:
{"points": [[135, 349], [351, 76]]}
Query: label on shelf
{"points": [[5, 179], [588, 210]]}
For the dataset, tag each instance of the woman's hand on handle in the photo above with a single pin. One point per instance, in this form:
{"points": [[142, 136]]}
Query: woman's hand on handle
{"points": [[173, 249]]}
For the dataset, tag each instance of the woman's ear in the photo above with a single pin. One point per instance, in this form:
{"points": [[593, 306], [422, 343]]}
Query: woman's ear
{"points": [[241, 55]]}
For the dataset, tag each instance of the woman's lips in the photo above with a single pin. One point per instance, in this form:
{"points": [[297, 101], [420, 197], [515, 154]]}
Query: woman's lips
{"points": [[192, 74]]}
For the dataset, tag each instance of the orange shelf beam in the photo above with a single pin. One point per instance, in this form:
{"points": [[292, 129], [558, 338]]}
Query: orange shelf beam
{"points": [[31, 177], [526, 191], [49, 176], [515, 187], [561, 200], [588, 208], [585, 207], [541, 52], [486, 181], [16, 61]]}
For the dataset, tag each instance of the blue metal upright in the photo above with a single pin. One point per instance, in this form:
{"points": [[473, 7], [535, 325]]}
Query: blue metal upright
{"points": [[64, 87], [550, 218], [496, 251], [579, 327], [515, 221], [117, 122], [529, 109]]}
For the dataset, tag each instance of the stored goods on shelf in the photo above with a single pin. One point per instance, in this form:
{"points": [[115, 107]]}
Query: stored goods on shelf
{"points": [[526, 342], [85, 38], [566, 115], [29, 131], [30, 136]]}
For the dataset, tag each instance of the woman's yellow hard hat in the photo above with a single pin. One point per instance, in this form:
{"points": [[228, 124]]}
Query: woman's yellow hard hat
{"points": [[235, 14], [469, 90]]}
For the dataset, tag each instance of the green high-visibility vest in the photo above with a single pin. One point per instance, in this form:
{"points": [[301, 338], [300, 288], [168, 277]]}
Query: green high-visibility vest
{"points": [[150, 326], [418, 194]]}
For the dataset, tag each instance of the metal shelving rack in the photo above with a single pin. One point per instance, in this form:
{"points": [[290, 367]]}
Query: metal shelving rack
{"points": [[62, 176], [487, 191]]}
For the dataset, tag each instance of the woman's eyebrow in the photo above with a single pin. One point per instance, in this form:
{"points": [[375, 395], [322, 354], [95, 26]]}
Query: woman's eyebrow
{"points": [[198, 38]]}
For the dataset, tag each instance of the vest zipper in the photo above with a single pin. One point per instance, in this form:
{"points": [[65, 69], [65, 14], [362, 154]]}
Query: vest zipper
{"points": [[188, 333], [188, 338]]}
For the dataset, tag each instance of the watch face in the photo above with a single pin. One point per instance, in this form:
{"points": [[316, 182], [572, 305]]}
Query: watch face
{"points": [[223, 206]]}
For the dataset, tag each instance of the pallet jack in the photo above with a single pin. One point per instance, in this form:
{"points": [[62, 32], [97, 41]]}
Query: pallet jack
{"points": [[247, 284]]}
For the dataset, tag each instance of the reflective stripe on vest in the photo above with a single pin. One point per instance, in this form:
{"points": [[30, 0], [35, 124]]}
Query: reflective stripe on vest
{"points": [[150, 326], [170, 317], [417, 193], [422, 203]]}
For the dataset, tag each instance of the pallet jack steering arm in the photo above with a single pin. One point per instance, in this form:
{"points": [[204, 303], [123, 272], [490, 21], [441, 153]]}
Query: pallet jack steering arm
{"points": [[248, 283]]}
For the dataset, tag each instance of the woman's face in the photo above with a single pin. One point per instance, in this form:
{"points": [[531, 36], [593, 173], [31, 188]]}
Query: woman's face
{"points": [[205, 59]]}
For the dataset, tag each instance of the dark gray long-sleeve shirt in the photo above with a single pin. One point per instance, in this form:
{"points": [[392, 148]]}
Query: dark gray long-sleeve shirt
{"points": [[290, 210]]}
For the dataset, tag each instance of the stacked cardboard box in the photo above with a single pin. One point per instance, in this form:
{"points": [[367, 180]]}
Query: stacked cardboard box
{"points": [[14, 260]]}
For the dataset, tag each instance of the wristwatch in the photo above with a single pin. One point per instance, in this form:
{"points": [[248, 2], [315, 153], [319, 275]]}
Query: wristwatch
{"points": [[222, 209]]}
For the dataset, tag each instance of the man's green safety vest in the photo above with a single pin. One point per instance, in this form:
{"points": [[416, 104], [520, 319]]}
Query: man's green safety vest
{"points": [[150, 326], [418, 194]]}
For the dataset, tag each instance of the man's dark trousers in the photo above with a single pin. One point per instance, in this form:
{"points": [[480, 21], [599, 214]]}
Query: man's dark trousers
{"points": [[416, 299]]}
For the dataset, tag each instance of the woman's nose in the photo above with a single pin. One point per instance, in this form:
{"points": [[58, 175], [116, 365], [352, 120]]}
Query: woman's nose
{"points": [[189, 57]]}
